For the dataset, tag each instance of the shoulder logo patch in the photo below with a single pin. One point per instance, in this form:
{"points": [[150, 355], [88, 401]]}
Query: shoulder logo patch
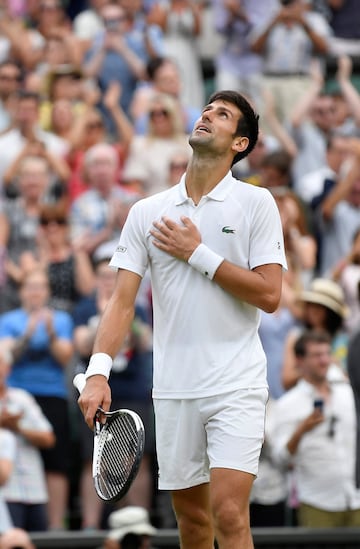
{"points": [[121, 249], [227, 230]]}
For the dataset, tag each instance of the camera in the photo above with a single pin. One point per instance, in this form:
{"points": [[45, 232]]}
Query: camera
{"points": [[319, 404]]}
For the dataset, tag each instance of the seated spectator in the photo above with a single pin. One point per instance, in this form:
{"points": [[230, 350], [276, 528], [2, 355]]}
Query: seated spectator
{"points": [[70, 270], [15, 40], [89, 130], [7, 459], [25, 491], [26, 129], [163, 76], [347, 274], [177, 166], [16, 538], [19, 220], [322, 307], [130, 528], [10, 80], [63, 82], [40, 338], [130, 383], [95, 214], [146, 165]]}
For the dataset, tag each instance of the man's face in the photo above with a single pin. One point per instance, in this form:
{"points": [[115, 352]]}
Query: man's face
{"points": [[215, 129], [316, 362], [102, 171], [27, 112], [9, 80]]}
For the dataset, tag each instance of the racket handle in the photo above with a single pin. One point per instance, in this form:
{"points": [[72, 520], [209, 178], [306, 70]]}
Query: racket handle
{"points": [[79, 382]]}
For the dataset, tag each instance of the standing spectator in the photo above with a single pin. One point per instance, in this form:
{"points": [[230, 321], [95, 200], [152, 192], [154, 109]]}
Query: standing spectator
{"points": [[237, 66], [181, 22], [50, 21], [117, 54], [340, 215], [41, 342], [288, 42], [25, 491], [319, 443], [345, 23], [89, 22]]}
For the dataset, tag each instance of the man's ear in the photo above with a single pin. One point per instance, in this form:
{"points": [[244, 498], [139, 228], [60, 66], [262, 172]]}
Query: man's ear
{"points": [[240, 144]]}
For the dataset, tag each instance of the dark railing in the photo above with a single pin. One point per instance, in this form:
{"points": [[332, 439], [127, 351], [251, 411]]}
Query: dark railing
{"points": [[264, 538]]}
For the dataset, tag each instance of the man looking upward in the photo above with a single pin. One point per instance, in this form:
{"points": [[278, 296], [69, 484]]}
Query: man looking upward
{"points": [[214, 247]]}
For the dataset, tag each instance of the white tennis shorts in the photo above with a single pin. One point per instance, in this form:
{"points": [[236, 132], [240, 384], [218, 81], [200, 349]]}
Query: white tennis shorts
{"points": [[196, 435]]}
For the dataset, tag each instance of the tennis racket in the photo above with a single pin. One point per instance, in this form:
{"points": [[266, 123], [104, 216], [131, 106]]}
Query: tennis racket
{"points": [[118, 449]]}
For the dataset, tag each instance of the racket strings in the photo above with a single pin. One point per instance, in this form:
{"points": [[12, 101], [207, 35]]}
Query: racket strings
{"points": [[118, 454]]}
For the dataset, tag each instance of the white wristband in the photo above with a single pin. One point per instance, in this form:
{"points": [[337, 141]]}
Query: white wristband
{"points": [[205, 261], [100, 364]]}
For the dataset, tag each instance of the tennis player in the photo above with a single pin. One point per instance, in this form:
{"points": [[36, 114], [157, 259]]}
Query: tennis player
{"points": [[215, 250]]}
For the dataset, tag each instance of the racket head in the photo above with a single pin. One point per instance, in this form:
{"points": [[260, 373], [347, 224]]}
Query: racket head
{"points": [[118, 450]]}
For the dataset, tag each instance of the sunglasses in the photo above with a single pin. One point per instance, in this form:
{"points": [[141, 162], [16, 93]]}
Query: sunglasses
{"points": [[158, 113], [9, 78], [58, 220]]}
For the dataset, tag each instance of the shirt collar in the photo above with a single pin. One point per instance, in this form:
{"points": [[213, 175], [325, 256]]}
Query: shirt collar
{"points": [[219, 193]]}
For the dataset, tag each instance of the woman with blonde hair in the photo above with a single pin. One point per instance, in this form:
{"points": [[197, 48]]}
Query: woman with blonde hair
{"points": [[146, 168]]}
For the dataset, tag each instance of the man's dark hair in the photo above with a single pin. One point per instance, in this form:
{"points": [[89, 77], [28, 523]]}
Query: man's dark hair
{"points": [[23, 95], [248, 124], [153, 66], [310, 336]]}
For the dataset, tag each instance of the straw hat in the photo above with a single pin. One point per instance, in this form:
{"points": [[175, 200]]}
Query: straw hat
{"points": [[328, 293], [130, 520]]}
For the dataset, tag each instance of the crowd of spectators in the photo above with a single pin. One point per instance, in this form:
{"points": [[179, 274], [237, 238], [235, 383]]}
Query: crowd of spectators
{"points": [[97, 100]]}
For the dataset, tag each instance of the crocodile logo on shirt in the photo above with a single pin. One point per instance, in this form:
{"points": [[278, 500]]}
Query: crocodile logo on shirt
{"points": [[227, 230]]}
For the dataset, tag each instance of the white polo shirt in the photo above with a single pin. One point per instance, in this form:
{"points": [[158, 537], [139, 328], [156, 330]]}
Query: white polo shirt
{"points": [[205, 340]]}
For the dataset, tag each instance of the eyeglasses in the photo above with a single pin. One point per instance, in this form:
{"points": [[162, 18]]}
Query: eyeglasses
{"points": [[58, 220], [158, 113]]}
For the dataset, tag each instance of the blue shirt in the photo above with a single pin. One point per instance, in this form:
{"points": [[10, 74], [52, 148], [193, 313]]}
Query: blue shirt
{"points": [[37, 371]]}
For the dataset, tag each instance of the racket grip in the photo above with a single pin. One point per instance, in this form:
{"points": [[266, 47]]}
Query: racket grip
{"points": [[79, 382]]}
